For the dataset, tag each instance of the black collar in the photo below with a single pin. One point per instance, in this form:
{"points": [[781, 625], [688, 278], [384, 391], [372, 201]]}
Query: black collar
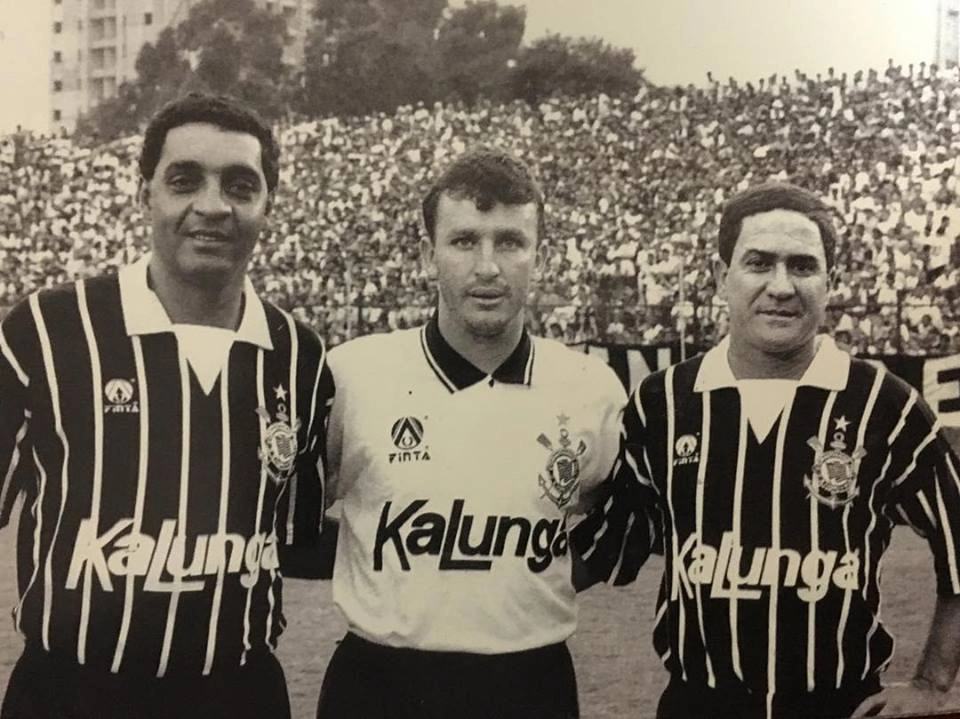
{"points": [[456, 372]]}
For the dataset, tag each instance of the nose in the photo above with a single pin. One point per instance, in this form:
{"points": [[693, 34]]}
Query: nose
{"points": [[486, 266], [210, 201], [780, 285]]}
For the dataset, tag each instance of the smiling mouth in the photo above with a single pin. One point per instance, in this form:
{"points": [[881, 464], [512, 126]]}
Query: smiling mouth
{"points": [[780, 314], [208, 236]]}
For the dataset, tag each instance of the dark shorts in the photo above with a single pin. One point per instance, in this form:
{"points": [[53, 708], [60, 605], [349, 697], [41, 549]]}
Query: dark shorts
{"points": [[44, 687], [681, 700], [373, 681]]}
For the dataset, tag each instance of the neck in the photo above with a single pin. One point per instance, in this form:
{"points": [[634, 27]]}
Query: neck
{"points": [[211, 304], [485, 353], [747, 362]]}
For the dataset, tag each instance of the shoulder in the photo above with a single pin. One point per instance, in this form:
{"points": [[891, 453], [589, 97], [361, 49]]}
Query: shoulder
{"points": [[374, 352], [565, 365], [61, 302], [679, 379]]}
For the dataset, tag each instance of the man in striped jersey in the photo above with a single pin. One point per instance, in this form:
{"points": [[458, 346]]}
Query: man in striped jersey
{"points": [[165, 428], [773, 470], [458, 450]]}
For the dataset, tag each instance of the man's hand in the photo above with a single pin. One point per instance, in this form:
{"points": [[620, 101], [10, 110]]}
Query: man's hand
{"points": [[896, 699]]}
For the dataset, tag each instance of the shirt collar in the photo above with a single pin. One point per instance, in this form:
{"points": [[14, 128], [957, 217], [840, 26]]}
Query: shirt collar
{"points": [[456, 372], [828, 370], [144, 315]]}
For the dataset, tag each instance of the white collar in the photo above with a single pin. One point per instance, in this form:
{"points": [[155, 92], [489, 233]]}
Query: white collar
{"points": [[828, 370], [143, 314]]}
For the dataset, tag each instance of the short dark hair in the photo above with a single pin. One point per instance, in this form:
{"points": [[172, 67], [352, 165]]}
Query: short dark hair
{"points": [[488, 177], [775, 196], [220, 110]]}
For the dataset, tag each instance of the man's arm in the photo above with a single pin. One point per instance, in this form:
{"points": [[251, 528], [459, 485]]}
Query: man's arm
{"points": [[14, 416], [935, 673]]}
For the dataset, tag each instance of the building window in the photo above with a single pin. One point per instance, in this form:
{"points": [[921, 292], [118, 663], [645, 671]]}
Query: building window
{"points": [[57, 56], [57, 85], [57, 28], [148, 18], [56, 116]]}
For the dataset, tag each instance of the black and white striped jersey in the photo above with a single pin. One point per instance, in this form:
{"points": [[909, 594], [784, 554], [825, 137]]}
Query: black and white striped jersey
{"points": [[773, 547], [155, 515]]}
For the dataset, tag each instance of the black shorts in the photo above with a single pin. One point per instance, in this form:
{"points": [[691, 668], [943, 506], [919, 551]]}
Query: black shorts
{"points": [[681, 700], [373, 681], [45, 687]]}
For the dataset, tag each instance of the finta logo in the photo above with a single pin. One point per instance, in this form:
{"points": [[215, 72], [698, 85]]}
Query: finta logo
{"points": [[685, 450], [119, 394], [448, 536], [407, 436], [120, 552], [720, 571]]}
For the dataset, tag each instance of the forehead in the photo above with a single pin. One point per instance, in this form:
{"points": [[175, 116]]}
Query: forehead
{"points": [[779, 232], [461, 213], [210, 146]]}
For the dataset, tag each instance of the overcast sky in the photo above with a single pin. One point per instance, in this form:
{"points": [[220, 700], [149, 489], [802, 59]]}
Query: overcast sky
{"points": [[676, 41]]}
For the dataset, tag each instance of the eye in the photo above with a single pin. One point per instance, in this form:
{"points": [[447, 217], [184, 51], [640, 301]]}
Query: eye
{"points": [[757, 262], [463, 241], [511, 242], [182, 183], [243, 189]]}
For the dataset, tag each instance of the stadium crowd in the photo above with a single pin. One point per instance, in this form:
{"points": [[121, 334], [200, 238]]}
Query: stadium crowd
{"points": [[634, 186]]}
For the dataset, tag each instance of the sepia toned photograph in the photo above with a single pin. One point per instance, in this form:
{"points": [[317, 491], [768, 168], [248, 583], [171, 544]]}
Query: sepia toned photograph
{"points": [[479, 359]]}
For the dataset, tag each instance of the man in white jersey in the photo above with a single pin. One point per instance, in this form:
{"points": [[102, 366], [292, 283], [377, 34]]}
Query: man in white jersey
{"points": [[773, 469], [458, 452]]}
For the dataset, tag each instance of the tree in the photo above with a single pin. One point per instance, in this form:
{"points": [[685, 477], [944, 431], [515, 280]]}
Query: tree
{"points": [[224, 46], [477, 44], [557, 65], [370, 55]]}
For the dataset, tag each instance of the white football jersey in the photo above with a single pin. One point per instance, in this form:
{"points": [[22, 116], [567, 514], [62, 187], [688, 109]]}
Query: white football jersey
{"points": [[455, 487]]}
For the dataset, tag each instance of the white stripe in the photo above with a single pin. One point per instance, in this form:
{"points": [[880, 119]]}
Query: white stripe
{"points": [[737, 522], [917, 452], [14, 461], [815, 546], [623, 546], [433, 363], [142, 464], [313, 396], [97, 388], [701, 481], [47, 354], [894, 433], [677, 588], [528, 372], [775, 547], [12, 359], [261, 402], [182, 511], [866, 416], [603, 528], [948, 538], [222, 517], [292, 482], [928, 510], [37, 512]]}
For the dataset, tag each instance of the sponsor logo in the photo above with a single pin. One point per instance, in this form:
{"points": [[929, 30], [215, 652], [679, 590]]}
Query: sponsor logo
{"points": [[721, 571], [451, 537], [833, 478], [119, 395], [685, 450], [164, 561], [278, 445], [561, 476], [407, 436]]}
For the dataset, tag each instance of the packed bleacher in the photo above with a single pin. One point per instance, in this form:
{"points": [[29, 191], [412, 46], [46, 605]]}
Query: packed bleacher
{"points": [[634, 186]]}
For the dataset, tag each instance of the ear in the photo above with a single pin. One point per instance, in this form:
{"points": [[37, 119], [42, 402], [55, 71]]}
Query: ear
{"points": [[833, 278], [427, 256], [143, 193], [269, 206], [720, 270], [540, 263]]}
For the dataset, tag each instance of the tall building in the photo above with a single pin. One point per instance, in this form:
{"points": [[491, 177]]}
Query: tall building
{"points": [[948, 32], [96, 43]]}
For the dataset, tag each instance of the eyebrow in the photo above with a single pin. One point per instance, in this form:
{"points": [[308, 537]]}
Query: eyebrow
{"points": [[766, 255], [192, 166]]}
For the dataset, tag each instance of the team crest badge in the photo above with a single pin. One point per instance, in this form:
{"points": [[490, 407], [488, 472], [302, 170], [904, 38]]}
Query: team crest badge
{"points": [[278, 449], [833, 478], [561, 477]]}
